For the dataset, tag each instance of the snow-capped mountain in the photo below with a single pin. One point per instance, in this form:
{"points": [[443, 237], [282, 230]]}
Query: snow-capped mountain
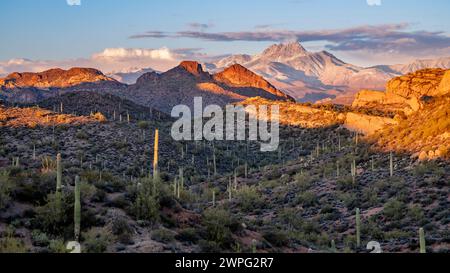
{"points": [[313, 76], [130, 76], [402, 69]]}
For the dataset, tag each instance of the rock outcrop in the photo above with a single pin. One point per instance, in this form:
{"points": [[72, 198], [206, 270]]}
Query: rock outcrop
{"points": [[405, 93], [367, 124], [53, 78], [239, 76], [421, 83], [188, 80]]}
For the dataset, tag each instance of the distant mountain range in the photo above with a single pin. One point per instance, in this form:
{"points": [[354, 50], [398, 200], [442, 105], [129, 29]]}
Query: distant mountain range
{"points": [[130, 76], [161, 91], [312, 76], [281, 72]]}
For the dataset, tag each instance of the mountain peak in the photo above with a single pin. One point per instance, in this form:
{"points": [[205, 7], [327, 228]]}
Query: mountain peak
{"points": [[192, 67], [285, 50], [54, 78]]}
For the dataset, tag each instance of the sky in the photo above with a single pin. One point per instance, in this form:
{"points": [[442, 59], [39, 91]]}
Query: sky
{"points": [[119, 35]]}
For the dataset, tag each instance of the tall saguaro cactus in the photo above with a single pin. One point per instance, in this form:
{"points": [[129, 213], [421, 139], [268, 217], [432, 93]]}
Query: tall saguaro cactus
{"points": [[391, 164], [358, 228], [77, 209], [58, 173], [155, 154], [423, 248], [214, 162]]}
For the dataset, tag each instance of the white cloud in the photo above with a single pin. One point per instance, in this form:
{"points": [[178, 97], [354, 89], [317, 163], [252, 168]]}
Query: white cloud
{"points": [[74, 2], [108, 60], [127, 53], [374, 2]]}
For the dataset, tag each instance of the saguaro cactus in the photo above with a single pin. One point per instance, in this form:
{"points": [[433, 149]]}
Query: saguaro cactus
{"points": [[58, 173], [423, 248], [337, 169], [77, 209], [391, 164], [214, 162], [246, 170], [358, 228], [353, 171], [230, 190], [333, 246], [181, 178], [155, 154]]}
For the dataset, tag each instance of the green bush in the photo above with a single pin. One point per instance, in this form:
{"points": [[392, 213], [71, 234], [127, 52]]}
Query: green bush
{"points": [[217, 223], [277, 238], [5, 189], [53, 216], [249, 198], [96, 241], [146, 204], [394, 210], [163, 236], [188, 235], [307, 199], [10, 244]]}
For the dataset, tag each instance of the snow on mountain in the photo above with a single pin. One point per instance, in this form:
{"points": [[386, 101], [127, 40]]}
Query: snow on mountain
{"points": [[313, 76], [129, 76]]}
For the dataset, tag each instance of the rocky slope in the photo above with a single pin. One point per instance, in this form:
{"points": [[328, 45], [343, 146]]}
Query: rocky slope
{"points": [[188, 80], [425, 134], [54, 78], [406, 93], [298, 199], [35, 87], [318, 76]]}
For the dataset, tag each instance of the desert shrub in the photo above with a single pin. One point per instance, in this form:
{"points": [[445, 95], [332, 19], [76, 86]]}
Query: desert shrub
{"points": [[53, 216], [249, 198], [304, 181], [146, 204], [81, 135], [36, 188], [57, 246], [209, 246], [345, 183], [307, 199], [394, 210], [217, 222], [416, 213], [10, 244], [188, 235], [277, 238], [349, 199], [163, 236], [5, 189], [96, 241], [144, 125], [122, 230], [88, 192], [370, 195], [39, 238]]}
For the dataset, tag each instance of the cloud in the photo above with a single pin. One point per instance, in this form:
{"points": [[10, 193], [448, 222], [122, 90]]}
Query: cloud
{"points": [[117, 54], [374, 2], [109, 60], [394, 38], [74, 2], [200, 26]]}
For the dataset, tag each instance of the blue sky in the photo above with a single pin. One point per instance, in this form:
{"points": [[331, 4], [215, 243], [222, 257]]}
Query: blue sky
{"points": [[52, 30]]}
